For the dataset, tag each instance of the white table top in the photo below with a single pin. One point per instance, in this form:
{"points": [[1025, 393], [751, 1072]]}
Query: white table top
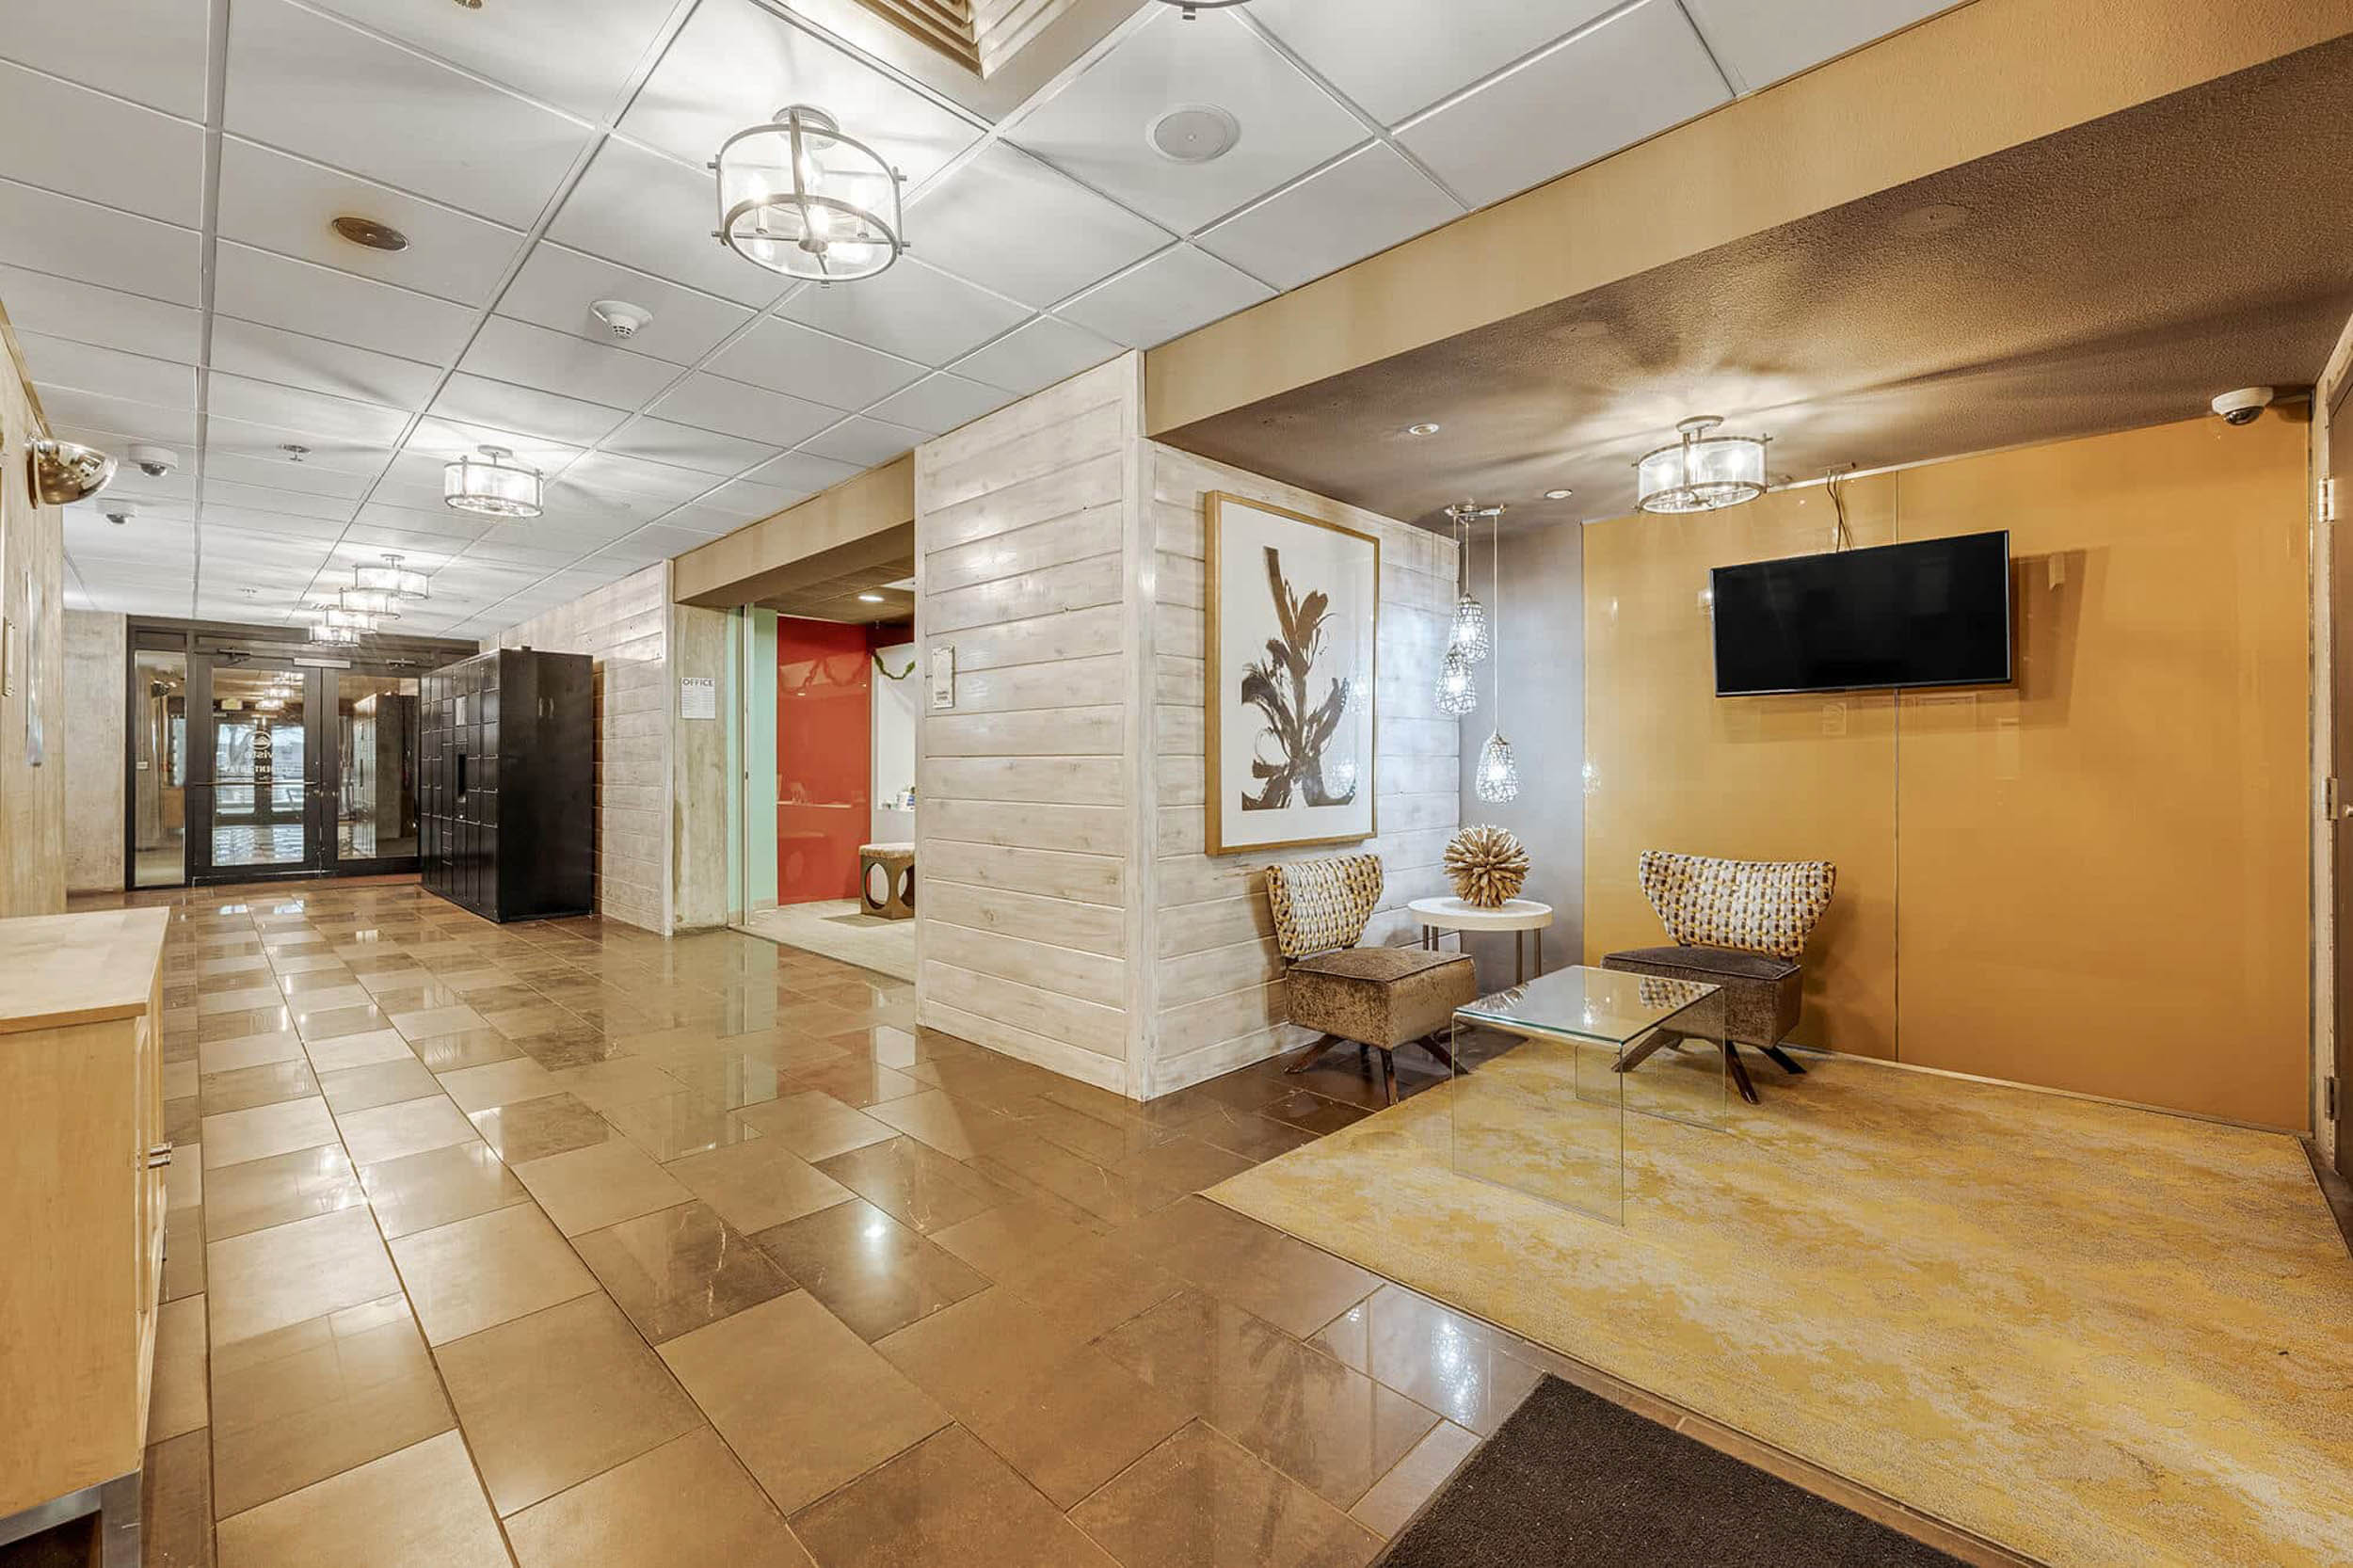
{"points": [[1452, 914]]}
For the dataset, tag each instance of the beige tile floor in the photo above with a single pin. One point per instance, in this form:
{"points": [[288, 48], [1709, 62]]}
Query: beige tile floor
{"points": [[560, 1243]]}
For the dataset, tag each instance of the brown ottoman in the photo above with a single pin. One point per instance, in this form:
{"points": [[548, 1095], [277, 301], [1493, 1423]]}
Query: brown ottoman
{"points": [[1763, 998]]}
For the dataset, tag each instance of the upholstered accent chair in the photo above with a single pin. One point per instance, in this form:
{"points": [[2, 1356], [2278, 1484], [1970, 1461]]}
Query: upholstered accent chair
{"points": [[1377, 998], [1740, 924]]}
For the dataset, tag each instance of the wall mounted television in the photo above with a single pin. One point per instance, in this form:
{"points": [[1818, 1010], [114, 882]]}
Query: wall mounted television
{"points": [[1935, 612]]}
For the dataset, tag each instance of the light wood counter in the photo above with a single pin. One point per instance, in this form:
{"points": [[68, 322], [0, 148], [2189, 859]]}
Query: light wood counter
{"points": [[61, 970]]}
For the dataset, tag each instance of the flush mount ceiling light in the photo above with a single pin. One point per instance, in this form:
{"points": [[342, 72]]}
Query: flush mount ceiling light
{"points": [[1194, 133], [1559, 495], [334, 636], [366, 231], [799, 197], [63, 472], [370, 602], [491, 486], [335, 617], [1422, 429], [393, 577], [870, 599], [1701, 473]]}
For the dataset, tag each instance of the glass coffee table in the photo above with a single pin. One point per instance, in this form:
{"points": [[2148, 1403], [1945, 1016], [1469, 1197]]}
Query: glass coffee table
{"points": [[1543, 1111]]}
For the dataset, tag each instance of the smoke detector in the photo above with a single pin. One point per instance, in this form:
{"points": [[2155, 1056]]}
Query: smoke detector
{"points": [[1194, 133], [621, 319]]}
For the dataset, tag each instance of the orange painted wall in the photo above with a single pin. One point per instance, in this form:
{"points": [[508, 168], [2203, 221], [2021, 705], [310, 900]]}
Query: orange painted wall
{"points": [[2096, 879], [824, 757]]}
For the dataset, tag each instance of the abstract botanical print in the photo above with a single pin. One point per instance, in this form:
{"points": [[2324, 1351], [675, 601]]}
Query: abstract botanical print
{"points": [[1290, 755]]}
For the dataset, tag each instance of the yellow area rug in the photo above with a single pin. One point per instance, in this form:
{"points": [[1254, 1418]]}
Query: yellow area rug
{"points": [[2093, 1334]]}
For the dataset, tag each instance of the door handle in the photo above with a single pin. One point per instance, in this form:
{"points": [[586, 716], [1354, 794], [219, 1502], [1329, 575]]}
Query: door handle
{"points": [[159, 1156]]}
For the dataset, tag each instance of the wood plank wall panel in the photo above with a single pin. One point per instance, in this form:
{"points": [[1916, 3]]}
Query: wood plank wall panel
{"points": [[624, 628], [1219, 977], [32, 568], [1027, 832]]}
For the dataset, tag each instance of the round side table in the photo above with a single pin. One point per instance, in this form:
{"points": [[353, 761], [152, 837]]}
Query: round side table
{"points": [[1438, 915]]}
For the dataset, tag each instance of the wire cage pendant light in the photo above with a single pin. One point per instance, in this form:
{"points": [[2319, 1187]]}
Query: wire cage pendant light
{"points": [[1458, 688], [391, 578], [1701, 472], [799, 197], [1499, 775], [1470, 617], [491, 487]]}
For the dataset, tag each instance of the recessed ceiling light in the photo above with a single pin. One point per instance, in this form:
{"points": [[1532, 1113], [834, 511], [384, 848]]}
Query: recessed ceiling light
{"points": [[870, 599], [367, 231], [1559, 495], [1423, 429], [1194, 133]]}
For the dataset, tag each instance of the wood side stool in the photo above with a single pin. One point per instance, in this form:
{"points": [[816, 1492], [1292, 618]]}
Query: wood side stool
{"points": [[893, 865]]}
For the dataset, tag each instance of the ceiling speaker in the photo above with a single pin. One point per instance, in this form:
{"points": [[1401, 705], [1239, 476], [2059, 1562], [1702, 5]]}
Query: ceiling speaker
{"points": [[1194, 133]]}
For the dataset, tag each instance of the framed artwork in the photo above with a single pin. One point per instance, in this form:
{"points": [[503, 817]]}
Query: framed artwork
{"points": [[1294, 610]]}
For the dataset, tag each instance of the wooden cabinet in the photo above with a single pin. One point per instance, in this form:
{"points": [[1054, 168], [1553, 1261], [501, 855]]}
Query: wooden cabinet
{"points": [[506, 773], [81, 1157]]}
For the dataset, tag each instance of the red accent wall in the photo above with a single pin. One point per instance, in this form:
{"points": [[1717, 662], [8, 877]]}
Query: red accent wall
{"points": [[824, 757]]}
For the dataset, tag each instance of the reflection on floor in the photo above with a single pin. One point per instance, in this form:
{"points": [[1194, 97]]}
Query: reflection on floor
{"points": [[838, 929], [163, 865], [2091, 1334], [564, 1243]]}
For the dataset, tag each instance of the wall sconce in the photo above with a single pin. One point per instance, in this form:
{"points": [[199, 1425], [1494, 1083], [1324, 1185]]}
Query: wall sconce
{"points": [[63, 472]]}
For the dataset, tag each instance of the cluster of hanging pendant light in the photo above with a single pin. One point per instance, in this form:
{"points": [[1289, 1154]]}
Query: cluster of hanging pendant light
{"points": [[1474, 643], [375, 596]]}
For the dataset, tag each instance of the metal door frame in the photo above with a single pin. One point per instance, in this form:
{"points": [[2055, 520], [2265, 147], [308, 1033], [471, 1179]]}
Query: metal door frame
{"points": [[203, 757]]}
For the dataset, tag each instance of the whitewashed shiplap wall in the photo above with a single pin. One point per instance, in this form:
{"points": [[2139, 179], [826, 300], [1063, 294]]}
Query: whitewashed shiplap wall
{"points": [[1026, 828], [1218, 983]]}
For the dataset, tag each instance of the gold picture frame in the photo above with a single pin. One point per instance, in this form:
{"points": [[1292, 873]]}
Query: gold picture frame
{"points": [[1223, 511]]}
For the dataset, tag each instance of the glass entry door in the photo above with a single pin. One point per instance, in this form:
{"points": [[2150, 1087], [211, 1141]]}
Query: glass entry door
{"points": [[372, 770], [257, 791]]}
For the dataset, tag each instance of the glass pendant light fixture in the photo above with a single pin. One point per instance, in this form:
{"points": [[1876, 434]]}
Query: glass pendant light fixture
{"points": [[1458, 688], [492, 486], [324, 636], [370, 602], [1499, 775], [1701, 472], [1470, 617], [335, 617], [393, 577], [799, 197]]}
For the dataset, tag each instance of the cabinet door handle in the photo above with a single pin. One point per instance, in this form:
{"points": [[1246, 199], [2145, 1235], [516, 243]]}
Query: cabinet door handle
{"points": [[159, 1156]]}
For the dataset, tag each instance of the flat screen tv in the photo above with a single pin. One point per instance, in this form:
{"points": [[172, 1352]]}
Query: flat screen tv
{"points": [[1931, 614]]}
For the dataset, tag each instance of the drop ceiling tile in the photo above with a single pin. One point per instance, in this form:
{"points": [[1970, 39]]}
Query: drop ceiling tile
{"points": [[1008, 222], [660, 442], [284, 204], [300, 80], [733, 504], [1097, 128], [346, 453], [1393, 58], [939, 403], [443, 436], [803, 472], [120, 416], [576, 54], [478, 400], [643, 211], [735, 64], [291, 408], [152, 54], [1760, 42], [1367, 202], [1632, 76], [527, 355], [863, 442], [70, 140], [269, 354], [787, 357], [713, 403], [413, 524], [57, 363], [609, 473], [224, 464], [321, 302], [909, 310], [657, 542], [108, 318], [1035, 354], [97, 245], [1174, 291], [556, 287], [237, 497]]}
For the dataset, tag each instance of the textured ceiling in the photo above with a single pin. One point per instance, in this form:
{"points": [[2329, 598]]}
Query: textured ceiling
{"points": [[2116, 274]]}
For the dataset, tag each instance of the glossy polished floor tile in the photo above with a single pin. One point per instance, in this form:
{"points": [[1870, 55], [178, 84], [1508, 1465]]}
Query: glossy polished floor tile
{"points": [[815, 1126], [1248, 1134], [215, 1058], [426, 1022], [359, 1049], [272, 1278], [686, 1504], [534, 1128], [264, 1193], [1414, 1480], [1090, 1286], [379, 1083], [1061, 1413], [176, 1504], [805, 1403], [758, 1183], [409, 1126], [243, 1088], [236, 1136], [1044, 1170], [467, 1048], [1455, 1365], [956, 1129], [178, 1395], [1199, 1501], [675, 1125], [419, 1191], [1014, 1235], [418, 1506], [587, 1189], [916, 1184], [949, 1500], [870, 1272], [619, 1082], [503, 1083], [855, 1082], [334, 1023], [549, 1399], [678, 1269], [1335, 1430], [312, 1399], [477, 1273], [1286, 1282]]}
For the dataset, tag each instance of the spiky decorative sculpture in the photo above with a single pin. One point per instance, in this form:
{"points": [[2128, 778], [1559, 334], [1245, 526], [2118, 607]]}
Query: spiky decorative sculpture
{"points": [[1487, 865]]}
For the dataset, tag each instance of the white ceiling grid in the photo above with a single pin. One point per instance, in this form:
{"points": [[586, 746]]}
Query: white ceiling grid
{"points": [[165, 253]]}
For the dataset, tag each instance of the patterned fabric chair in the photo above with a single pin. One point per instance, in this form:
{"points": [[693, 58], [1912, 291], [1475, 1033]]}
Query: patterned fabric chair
{"points": [[1740, 924], [1378, 998]]}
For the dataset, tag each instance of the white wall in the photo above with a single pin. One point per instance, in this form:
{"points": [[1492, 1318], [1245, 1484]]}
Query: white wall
{"points": [[895, 744]]}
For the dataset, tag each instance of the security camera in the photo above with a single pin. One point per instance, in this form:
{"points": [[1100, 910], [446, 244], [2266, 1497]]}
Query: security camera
{"points": [[2243, 406], [119, 512], [621, 319], [154, 461]]}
